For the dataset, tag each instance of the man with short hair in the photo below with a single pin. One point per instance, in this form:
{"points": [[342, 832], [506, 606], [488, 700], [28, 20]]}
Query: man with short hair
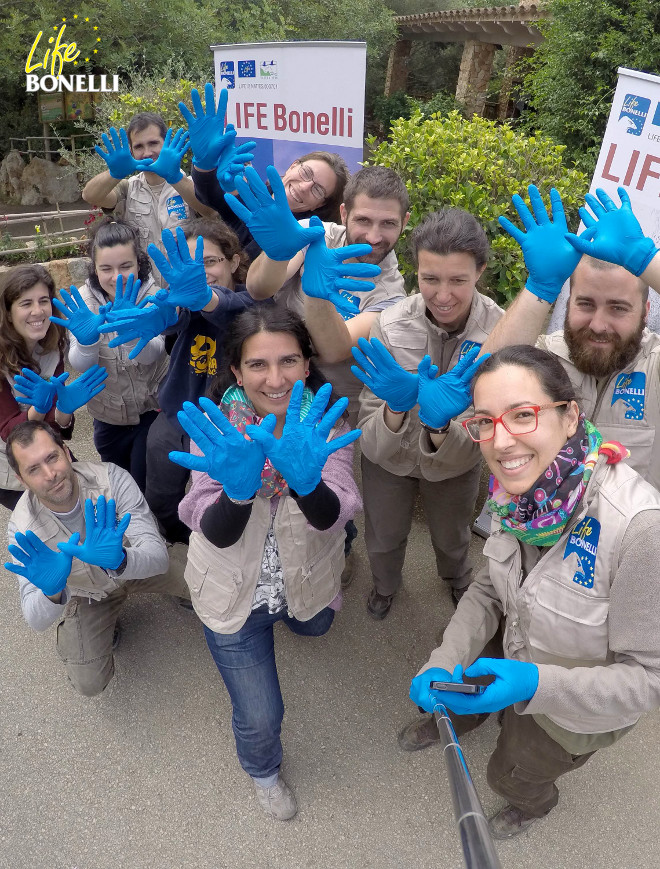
{"points": [[81, 586], [611, 358], [160, 196], [374, 212]]}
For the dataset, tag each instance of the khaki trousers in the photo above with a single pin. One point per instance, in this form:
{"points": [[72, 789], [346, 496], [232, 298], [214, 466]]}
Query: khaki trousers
{"points": [[526, 764], [388, 510], [85, 631]]}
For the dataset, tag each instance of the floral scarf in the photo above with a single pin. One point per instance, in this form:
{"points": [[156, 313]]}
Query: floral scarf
{"points": [[539, 516], [238, 409]]}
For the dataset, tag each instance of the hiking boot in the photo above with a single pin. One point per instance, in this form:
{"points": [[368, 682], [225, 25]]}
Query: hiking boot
{"points": [[348, 573], [277, 801], [378, 605], [419, 733], [510, 821]]}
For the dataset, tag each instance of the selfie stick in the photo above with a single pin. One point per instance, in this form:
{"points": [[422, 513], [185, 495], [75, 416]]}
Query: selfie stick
{"points": [[478, 848]]}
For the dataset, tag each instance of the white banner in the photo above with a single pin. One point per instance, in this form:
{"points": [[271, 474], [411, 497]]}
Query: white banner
{"points": [[630, 157], [295, 97]]}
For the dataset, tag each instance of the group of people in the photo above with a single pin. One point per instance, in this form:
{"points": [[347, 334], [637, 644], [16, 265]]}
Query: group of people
{"points": [[226, 392]]}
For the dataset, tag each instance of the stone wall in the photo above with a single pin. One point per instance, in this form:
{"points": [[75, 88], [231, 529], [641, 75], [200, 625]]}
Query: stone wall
{"points": [[63, 271]]}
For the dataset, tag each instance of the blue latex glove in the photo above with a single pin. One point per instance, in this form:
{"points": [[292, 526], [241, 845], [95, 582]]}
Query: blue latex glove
{"points": [[229, 457], [420, 688], [103, 544], [208, 138], [549, 257], [614, 234], [325, 272], [383, 375], [442, 398], [269, 218], [74, 395], [35, 390], [168, 163], [302, 451], [515, 682], [125, 300], [141, 324], [232, 162], [121, 163], [186, 276], [47, 569], [81, 322]]}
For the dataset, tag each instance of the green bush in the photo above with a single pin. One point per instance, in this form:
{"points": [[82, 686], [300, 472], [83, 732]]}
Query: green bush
{"points": [[476, 165]]}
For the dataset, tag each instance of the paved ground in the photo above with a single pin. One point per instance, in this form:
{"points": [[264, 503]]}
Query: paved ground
{"points": [[146, 775]]}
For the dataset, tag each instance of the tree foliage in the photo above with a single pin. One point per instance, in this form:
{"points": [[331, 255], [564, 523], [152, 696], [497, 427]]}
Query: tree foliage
{"points": [[477, 165], [574, 71]]}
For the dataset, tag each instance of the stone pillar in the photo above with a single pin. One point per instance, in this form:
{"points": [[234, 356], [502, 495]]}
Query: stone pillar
{"points": [[397, 67], [512, 53], [474, 76]]}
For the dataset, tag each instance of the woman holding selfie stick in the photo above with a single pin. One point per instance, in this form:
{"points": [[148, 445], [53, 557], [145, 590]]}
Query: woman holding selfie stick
{"points": [[572, 569]]}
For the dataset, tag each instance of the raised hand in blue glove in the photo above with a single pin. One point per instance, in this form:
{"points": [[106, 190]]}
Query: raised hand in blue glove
{"points": [[186, 276], [81, 322], [35, 390], [614, 234], [232, 162], [326, 273], [442, 398], [384, 376], [420, 688], [125, 300], [46, 568], [303, 449], [549, 257], [103, 546], [168, 163], [142, 324], [515, 682], [74, 395], [121, 163], [269, 218], [229, 457], [208, 138]]}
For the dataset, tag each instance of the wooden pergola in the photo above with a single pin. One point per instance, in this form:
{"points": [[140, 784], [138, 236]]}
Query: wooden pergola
{"points": [[482, 30]]}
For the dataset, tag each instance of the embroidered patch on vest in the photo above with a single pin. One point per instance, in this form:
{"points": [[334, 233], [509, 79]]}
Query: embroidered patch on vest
{"points": [[584, 542], [466, 346], [176, 207], [630, 388]]}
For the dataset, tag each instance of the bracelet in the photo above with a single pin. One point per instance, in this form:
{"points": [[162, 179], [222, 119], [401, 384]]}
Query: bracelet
{"points": [[242, 502], [430, 430]]}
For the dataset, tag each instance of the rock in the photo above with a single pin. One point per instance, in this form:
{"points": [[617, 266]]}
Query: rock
{"points": [[31, 196], [59, 272], [52, 182], [11, 170]]}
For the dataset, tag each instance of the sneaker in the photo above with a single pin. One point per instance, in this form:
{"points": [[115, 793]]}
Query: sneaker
{"points": [[419, 733], [348, 573], [378, 605], [277, 801], [116, 635], [510, 821]]}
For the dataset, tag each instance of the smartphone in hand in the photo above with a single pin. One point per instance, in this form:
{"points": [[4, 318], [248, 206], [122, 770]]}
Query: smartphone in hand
{"points": [[458, 687]]}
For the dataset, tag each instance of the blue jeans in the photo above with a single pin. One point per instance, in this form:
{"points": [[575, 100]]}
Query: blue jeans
{"points": [[246, 661]]}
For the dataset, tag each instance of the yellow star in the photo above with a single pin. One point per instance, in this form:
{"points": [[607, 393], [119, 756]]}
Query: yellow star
{"points": [[98, 38], [64, 19], [55, 28], [86, 19], [86, 59], [96, 51], [75, 16], [75, 63], [96, 28]]}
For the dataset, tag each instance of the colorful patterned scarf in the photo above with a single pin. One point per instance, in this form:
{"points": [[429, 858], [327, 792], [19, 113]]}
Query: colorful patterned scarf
{"points": [[238, 409], [539, 516]]}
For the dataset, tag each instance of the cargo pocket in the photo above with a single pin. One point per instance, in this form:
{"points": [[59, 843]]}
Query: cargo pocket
{"points": [[68, 642], [569, 623]]}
